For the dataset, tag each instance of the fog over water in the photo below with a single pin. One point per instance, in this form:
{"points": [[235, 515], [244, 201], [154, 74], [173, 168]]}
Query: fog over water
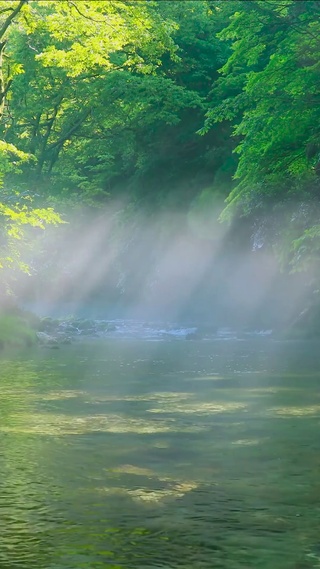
{"points": [[163, 267], [132, 448]]}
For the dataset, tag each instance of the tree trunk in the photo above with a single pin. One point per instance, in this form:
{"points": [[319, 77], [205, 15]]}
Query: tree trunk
{"points": [[5, 85]]}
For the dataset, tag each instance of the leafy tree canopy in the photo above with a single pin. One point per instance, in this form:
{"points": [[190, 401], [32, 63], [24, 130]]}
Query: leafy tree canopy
{"points": [[268, 90], [105, 99]]}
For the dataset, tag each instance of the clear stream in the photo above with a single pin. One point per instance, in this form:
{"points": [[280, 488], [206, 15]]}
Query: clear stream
{"points": [[136, 454]]}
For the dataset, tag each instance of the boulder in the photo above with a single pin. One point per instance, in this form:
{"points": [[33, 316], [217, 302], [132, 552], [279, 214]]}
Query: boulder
{"points": [[83, 324], [48, 324], [47, 340]]}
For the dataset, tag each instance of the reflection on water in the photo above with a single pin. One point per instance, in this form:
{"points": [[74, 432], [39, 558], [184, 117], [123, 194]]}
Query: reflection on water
{"points": [[139, 455]]}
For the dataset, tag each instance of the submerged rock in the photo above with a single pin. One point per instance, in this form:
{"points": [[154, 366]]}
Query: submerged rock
{"points": [[56, 332]]}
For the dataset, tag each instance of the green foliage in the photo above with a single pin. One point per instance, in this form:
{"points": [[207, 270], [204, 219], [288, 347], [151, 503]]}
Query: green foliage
{"points": [[268, 91], [103, 113], [20, 226], [86, 35], [277, 65], [306, 249], [106, 100], [15, 331], [11, 160]]}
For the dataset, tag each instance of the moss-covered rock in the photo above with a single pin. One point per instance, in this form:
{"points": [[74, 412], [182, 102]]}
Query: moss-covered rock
{"points": [[15, 331]]}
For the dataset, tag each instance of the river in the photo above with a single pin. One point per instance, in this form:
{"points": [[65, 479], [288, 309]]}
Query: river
{"points": [[172, 454]]}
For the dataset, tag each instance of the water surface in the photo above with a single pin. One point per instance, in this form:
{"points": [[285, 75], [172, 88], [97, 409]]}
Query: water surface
{"points": [[173, 455]]}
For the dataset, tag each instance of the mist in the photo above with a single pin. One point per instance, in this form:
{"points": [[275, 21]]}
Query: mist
{"points": [[165, 267]]}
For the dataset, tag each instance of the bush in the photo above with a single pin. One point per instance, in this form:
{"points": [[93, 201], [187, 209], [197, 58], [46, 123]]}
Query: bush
{"points": [[15, 331]]}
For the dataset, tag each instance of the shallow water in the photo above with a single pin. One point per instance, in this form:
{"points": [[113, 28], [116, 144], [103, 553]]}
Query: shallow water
{"points": [[172, 455]]}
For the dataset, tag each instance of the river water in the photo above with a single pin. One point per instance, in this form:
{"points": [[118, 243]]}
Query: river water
{"points": [[127, 454]]}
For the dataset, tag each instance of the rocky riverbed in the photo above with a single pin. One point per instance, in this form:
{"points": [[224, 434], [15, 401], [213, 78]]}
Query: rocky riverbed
{"points": [[53, 333], [19, 328]]}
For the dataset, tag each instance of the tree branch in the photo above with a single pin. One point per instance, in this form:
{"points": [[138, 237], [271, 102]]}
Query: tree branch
{"points": [[70, 132], [73, 4], [11, 17], [6, 10]]}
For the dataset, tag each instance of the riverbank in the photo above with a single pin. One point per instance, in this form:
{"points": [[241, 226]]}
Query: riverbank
{"points": [[19, 328]]}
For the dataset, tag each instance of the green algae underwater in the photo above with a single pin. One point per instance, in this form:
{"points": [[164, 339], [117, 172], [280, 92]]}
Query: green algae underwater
{"points": [[171, 455]]}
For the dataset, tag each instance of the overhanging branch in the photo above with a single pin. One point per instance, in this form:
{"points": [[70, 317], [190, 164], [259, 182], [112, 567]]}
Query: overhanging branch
{"points": [[11, 17]]}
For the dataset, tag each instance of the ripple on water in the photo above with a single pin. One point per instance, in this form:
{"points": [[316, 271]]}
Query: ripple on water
{"points": [[223, 475]]}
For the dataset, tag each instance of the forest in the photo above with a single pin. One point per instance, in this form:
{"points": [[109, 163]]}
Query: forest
{"points": [[204, 110], [159, 284]]}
